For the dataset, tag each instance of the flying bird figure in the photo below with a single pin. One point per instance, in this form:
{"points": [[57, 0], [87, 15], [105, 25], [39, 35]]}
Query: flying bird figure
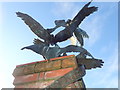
{"points": [[79, 33], [63, 35]]}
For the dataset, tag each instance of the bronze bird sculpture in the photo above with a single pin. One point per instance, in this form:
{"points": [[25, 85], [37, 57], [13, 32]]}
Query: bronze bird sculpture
{"points": [[52, 52], [63, 35]]}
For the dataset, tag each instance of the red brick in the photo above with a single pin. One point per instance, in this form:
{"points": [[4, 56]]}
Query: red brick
{"points": [[56, 64], [45, 84], [71, 86], [57, 73], [53, 65], [41, 76], [71, 62], [31, 63], [48, 66], [18, 71], [38, 84], [70, 56], [63, 57], [25, 78], [40, 67], [19, 86], [29, 69]]}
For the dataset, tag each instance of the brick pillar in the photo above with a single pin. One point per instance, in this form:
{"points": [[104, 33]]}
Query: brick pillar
{"points": [[41, 74]]}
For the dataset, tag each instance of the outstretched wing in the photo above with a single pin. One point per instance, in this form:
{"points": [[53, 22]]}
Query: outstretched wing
{"points": [[90, 63], [83, 13], [83, 33], [37, 48], [68, 31], [73, 48], [80, 34], [34, 26]]}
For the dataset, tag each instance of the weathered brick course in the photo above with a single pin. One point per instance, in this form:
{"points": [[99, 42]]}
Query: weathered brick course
{"points": [[18, 71], [57, 73], [40, 74], [26, 79], [68, 63], [29, 69]]}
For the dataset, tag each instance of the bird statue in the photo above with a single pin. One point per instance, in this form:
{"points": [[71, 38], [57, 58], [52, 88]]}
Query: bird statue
{"points": [[51, 52], [63, 35], [79, 33]]}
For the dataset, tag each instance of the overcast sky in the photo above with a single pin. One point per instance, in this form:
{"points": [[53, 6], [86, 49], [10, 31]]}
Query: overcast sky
{"points": [[101, 26]]}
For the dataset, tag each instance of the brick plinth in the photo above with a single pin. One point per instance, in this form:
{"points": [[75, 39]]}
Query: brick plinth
{"points": [[41, 74], [58, 72]]}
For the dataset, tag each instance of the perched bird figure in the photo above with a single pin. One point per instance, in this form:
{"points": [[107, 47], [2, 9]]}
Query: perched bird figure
{"points": [[52, 52], [63, 35]]}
